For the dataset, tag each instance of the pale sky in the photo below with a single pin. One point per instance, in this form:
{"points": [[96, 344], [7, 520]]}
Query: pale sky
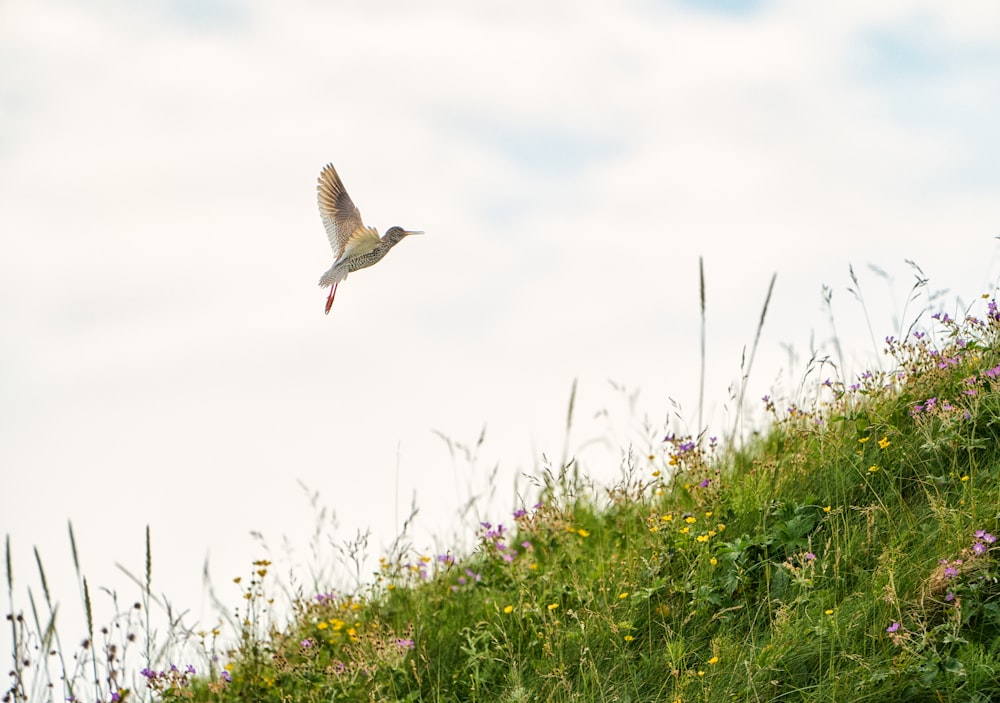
{"points": [[164, 357]]}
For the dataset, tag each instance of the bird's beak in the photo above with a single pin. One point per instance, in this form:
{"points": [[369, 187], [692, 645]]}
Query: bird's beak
{"points": [[414, 232]]}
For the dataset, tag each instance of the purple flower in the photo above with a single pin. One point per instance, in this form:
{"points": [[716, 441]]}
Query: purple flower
{"points": [[893, 627], [189, 670], [686, 447], [306, 643], [950, 572], [225, 676], [405, 644], [950, 596], [705, 483], [985, 536], [810, 556], [520, 513], [979, 548]]}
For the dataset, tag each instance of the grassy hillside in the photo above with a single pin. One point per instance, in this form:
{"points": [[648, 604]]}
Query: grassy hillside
{"points": [[847, 554]]}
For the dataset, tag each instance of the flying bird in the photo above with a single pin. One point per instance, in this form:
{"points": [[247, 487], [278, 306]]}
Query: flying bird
{"points": [[354, 245]]}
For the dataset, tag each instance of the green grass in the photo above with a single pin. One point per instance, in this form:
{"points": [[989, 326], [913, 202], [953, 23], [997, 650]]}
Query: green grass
{"points": [[845, 554]]}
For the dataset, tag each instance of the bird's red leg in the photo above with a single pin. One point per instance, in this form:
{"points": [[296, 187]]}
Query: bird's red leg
{"points": [[329, 299]]}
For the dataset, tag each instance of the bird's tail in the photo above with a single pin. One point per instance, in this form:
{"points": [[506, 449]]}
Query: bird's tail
{"points": [[331, 277]]}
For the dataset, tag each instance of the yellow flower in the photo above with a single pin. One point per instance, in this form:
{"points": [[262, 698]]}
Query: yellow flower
{"points": [[826, 509], [964, 479], [509, 609], [691, 519], [684, 530], [713, 660], [656, 473], [666, 518], [884, 442], [708, 514], [702, 538], [713, 561], [828, 611], [864, 439], [623, 594], [654, 528], [701, 673], [872, 469], [629, 638], [321, 626], [552, 606], [583, 533]]}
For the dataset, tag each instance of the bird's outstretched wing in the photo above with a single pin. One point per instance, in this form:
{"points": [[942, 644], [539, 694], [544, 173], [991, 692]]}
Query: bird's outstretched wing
{"points": [[344, 228]]}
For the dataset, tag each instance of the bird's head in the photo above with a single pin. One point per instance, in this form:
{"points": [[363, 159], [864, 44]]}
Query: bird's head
{"points": [[396, 234]]}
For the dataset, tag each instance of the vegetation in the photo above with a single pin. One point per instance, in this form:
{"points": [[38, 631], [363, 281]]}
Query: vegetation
{"points": [[847, 553]]}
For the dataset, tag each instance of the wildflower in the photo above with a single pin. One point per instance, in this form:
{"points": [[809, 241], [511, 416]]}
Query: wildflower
{"points": [[985, 536], [828, 611], [552, 606], [950, 572], [810, 556], [950, 596], [893, 627], [321, 625], [520, 513], [964, 478], [979, 548], [872, 469], [656, 473], [702, 538], [705, 483], [713, 561], [629, 638], [583, 533], [306, 643], [884, 442], [827, 509], [713, 660], [862, 440], [405, 644], [623, 595], [226, 676], [509, 609], [690, 519]]}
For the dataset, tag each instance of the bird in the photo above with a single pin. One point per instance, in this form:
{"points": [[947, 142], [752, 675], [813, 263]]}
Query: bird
{"points": [[354, 245]]}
